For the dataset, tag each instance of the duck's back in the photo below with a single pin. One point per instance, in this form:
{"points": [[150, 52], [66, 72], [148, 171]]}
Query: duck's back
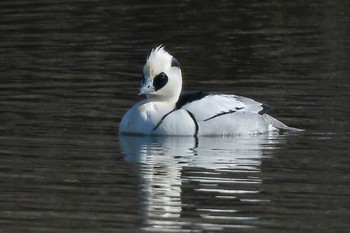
{"points": [[226, 114]]}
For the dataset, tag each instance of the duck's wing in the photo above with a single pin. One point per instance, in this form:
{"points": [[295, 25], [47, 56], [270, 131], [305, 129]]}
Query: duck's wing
{"points": [[205, 107]]}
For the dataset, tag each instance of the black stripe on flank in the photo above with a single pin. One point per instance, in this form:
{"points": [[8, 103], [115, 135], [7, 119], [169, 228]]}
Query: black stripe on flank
{"points": [[189, 113], [161, 120], [194, 121], [223, 113]]}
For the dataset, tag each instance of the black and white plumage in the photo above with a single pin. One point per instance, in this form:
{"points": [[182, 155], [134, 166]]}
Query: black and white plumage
{"points": [[167, 111]]}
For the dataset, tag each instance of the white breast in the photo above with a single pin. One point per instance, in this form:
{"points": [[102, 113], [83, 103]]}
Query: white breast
{"points": [[157, 118]]}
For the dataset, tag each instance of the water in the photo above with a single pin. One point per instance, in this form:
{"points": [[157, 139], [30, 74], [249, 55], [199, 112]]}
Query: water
{"points": [[69, 70]]}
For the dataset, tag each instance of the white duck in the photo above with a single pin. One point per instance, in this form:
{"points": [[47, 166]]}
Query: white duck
{"points": [[167, 111]]}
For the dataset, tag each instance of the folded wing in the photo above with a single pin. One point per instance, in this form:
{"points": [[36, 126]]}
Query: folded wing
{"points": [[205, 107]]}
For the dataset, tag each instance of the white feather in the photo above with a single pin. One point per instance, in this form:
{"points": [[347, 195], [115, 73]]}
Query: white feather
{"points": [[212, 105]]}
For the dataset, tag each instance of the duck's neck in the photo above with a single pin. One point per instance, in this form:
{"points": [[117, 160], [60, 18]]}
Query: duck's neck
{"points": [[170, 100]]}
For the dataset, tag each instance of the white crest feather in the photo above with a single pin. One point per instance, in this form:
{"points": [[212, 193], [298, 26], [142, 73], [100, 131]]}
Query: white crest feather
{"points": [[157, 61]]}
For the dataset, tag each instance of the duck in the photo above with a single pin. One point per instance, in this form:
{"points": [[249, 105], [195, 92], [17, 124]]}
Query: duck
{"points": [[168, 111]]}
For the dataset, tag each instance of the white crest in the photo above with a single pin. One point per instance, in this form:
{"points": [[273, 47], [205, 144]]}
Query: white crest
{"points": [[158, 61]]}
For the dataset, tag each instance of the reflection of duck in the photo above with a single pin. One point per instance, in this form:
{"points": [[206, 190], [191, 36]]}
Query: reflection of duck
{"points": [[166, 163], [167, 111], [205, 152]]}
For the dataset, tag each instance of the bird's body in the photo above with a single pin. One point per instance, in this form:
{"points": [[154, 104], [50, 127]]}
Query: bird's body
{"points": [[167, 111]]}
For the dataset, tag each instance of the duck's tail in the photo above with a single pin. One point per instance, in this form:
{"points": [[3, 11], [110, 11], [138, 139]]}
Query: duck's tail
{"points": [[279, 125]]}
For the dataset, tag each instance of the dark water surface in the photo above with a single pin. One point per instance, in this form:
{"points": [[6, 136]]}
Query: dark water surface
{"points": [[70, 69]]}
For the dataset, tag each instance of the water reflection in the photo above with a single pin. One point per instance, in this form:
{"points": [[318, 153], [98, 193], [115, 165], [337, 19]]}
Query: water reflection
{"points": [[209, 177]]}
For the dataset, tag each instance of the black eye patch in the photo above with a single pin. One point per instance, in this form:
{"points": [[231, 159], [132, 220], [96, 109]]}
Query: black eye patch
{"points": [[160, 81]]}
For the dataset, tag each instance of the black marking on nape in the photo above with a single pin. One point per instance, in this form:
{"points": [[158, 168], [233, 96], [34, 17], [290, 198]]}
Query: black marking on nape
{"points": [[266, 109], [175, 62], [194, 121], [161, 120], [223, 113], [188, 97], [160, 81]]}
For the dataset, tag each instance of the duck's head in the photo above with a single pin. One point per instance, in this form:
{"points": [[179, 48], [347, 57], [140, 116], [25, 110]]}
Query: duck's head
{"points": [[161, 76]]}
